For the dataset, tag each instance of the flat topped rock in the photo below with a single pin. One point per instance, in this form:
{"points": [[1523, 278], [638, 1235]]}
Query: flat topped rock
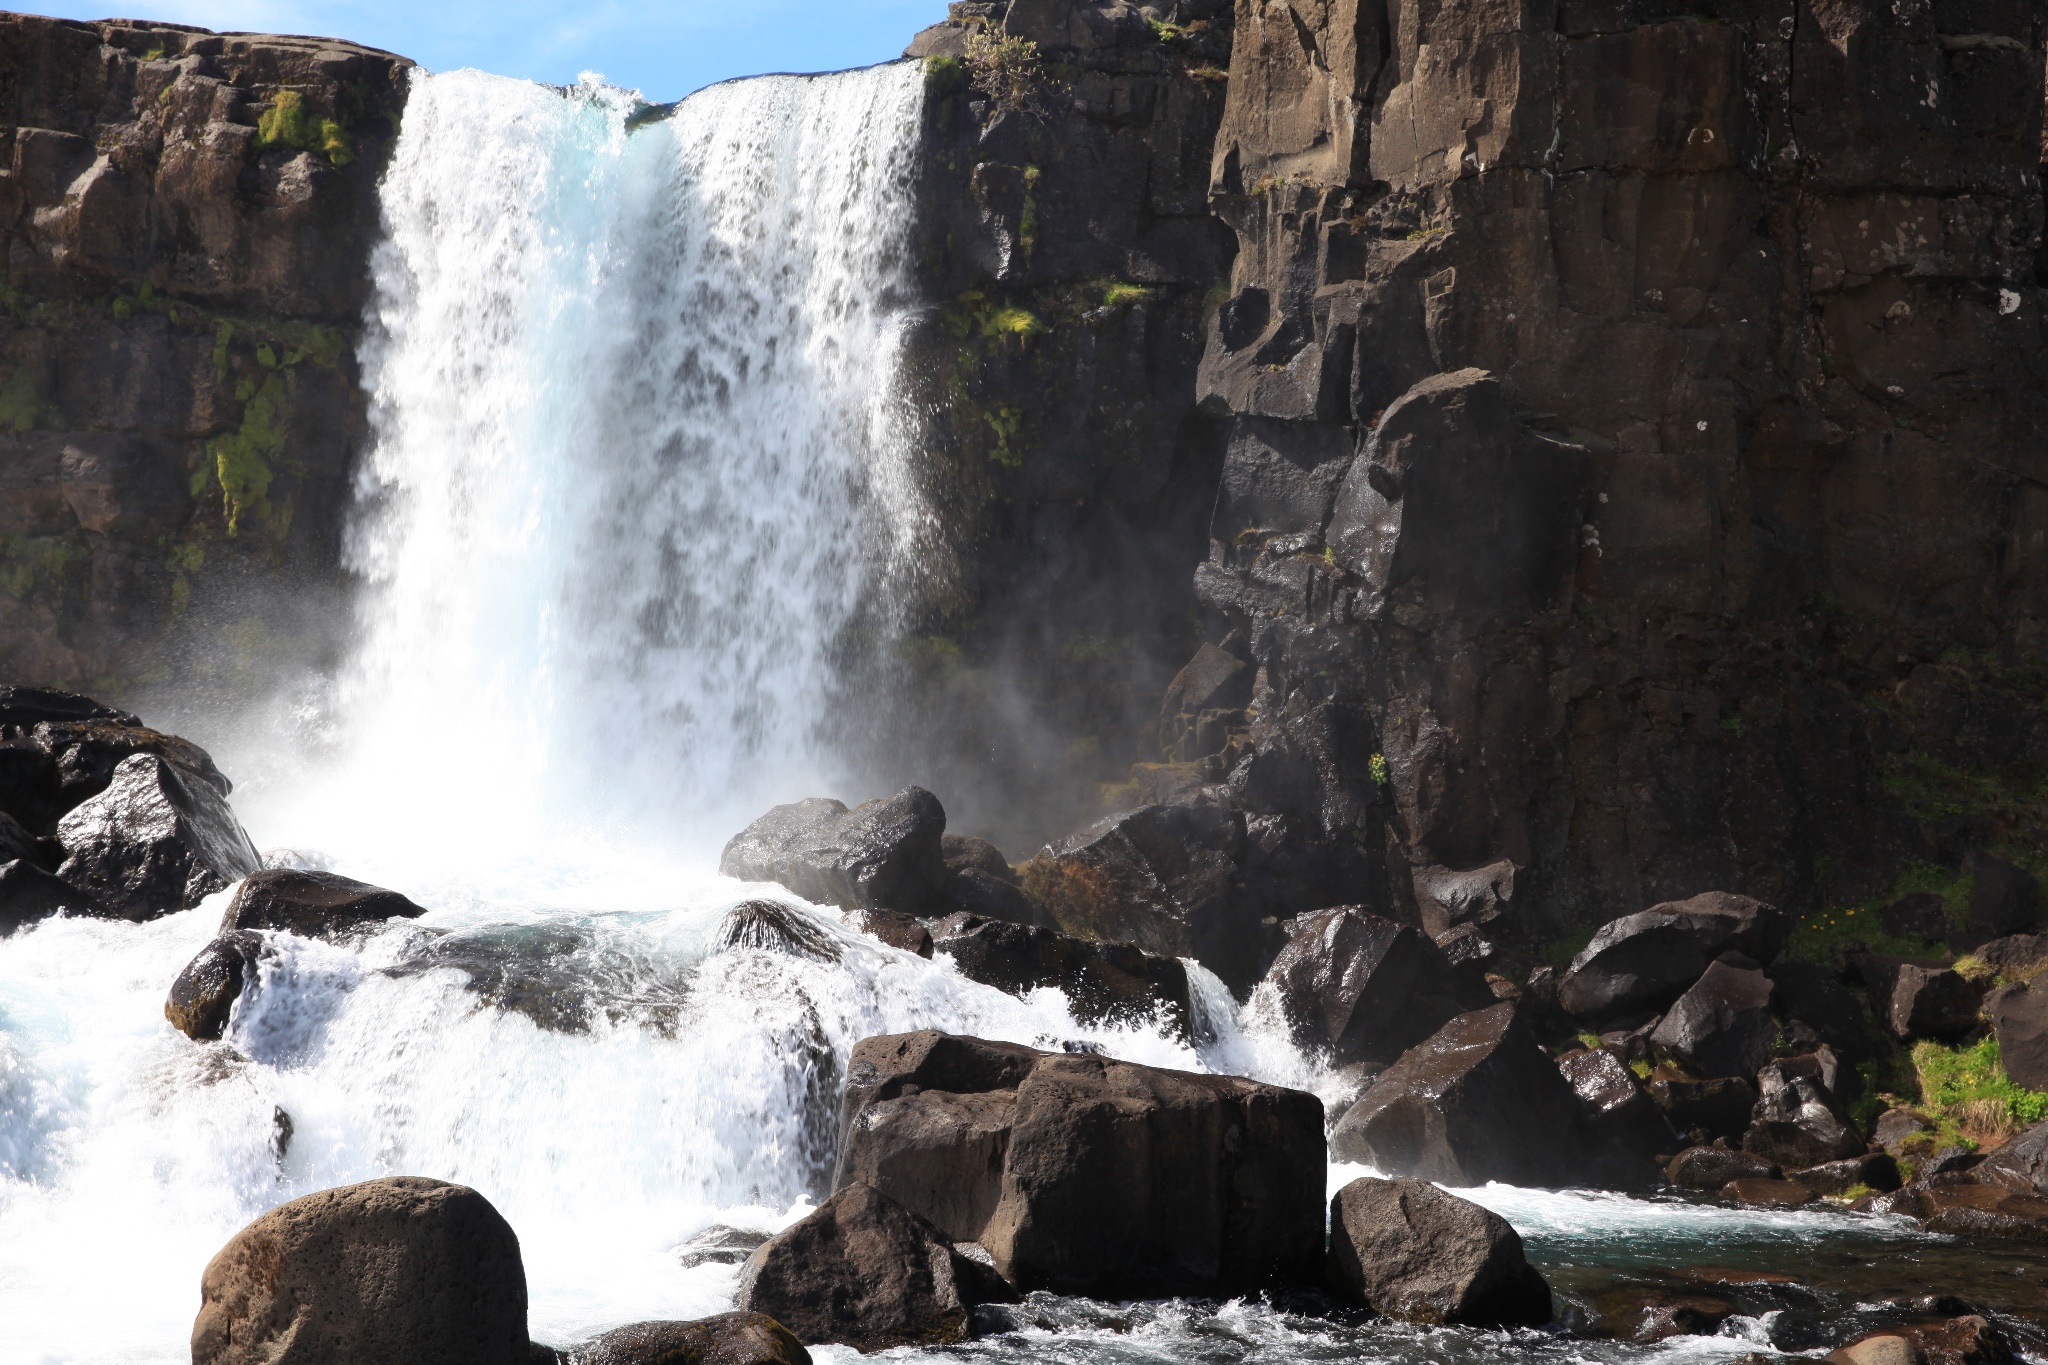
{"points": [[312, 904], [726, 1339], [886, 854]]}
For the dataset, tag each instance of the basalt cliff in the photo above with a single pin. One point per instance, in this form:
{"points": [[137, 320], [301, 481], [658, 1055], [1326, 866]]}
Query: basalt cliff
{"points": [[1522, 462]]}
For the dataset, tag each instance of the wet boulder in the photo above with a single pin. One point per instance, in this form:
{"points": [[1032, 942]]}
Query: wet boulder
{"points": [[28, 894], [725, 1339], [2019, 1018], [964, 852], [1412, 1251], [1796, 1122], [1620, 1110], [772, 927], [1640, 963], [1476, 1101], [88, 752], [898, 931], [1717, 1108], [401, 1270], [24, 708], [155, 841], [864, 1271], [29, 784], [1357, 987], [1769, 1193], [312, 904], [1980, 1209], [1163, 877], [1088, 1175], [2003, 898], [203, 997], [976, 892], [1711, 1168], [885, 854], [1722, 1025], [16, 842], [1103, 982], [2021, 1164], [1871, 1170]]}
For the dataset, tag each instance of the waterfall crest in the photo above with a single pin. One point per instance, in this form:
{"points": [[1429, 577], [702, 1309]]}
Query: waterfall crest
{"points": [[638, 470]]}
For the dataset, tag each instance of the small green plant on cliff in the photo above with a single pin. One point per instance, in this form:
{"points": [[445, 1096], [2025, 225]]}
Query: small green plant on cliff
{"points": [[1968, 1086], [1007, 70], [1378, 768], [20, 407], [1011, 322], [1006, 422], [286, 123], [243, 459], [1120, 293]]}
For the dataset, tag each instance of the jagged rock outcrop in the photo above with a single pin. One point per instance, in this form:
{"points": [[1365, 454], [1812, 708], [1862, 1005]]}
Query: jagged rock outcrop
{"points": [[188, 218], [1359, 988], [154, 841], [1708, 291]]}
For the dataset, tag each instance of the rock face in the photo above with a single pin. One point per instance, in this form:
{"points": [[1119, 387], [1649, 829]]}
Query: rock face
{"points": [[1165, 878], [188, 218], [401, 1270], [725, 1339], [1102, 981], [1358, 987], [312, 904], [156, 840], [1088, 1175], [882, 855], [865, 1271], [1722, 1025], [1642, 962], [1413, 1252], [1476, 1101]]}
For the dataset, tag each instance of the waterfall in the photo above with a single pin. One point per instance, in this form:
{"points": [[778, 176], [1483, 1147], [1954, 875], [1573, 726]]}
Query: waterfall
{"points": [[639, 475]]}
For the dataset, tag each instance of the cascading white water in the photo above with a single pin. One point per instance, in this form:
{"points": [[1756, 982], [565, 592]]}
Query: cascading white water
{"points": [[638, 464]]}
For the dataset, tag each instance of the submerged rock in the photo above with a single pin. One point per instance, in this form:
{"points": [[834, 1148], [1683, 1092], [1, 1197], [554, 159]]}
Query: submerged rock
{"points": [[1776, 1193], [1361, 988], [1640, 963], [155, 841], [883, 855], [312, 904], [203, 997], [720, 1245], [1711, 1168], [1088, 1175], [726, 1339], [864, 1271], [1477, 1101], [1103, 982], [773, 927], [898, 931], [403, 1271], [559, 976], [1414, 1252]]}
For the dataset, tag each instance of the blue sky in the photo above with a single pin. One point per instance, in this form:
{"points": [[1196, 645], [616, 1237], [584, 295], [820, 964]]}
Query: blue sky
{"points": [[665, 50]]}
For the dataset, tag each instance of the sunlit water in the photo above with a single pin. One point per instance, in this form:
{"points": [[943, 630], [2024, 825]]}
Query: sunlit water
{"points": [[637, 476]]}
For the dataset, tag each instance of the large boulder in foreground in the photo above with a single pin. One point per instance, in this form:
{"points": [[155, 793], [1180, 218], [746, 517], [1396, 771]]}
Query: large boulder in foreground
{"points": [[1089, 1175], [1476, 1101], [1358, 987], [312, 904], [1411, 1251], [724, 1339], [884, 854], [1638, 964], [401, 1271], [1163, 877], [155, 841], [864, 1271], [1103, 982]]}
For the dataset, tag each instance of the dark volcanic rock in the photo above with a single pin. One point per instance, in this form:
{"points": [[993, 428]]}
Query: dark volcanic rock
{"points": [[1476, 1101], [1621, 1111], [1411, 1251], [1920, 999], [1875, 1170], [963, 851], [1808, 993], [2019, 1018], [1775, 1193], [1358, 987], [1796, 1122], [898, 931], [884, 854], [1894, 1127], [988, 896], [17, 842], [2003, 898], [156, 840], [1718, 1108], [1640, 963], [1722, 1025], [1918, 914], [1102, 981], [1710, 1168], [24, 708], [1088, 1175], [867, 1272], [405, 1270], [204, 995], [1162, 877], [312, 904], [87, 752], [726, 1339], [28, 894], [2021, 1164], [771, 926]]}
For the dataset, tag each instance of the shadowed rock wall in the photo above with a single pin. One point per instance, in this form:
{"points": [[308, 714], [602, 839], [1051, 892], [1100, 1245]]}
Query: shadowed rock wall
{"points": [[187, 219], [1719, 330]]}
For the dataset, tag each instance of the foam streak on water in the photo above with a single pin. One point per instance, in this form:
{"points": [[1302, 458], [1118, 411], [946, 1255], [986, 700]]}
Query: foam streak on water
{"points": [[637, 465]]}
